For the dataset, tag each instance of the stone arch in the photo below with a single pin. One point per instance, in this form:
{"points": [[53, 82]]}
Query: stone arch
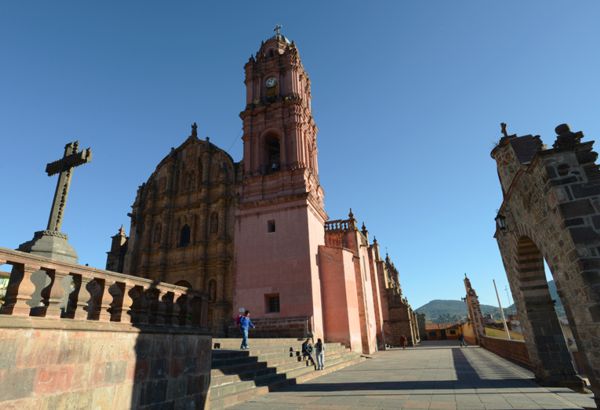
{"points": [[271, 152], [550, 212], [545, 341]]}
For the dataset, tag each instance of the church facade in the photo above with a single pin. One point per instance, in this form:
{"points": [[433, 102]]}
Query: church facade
{"points": [[255, 234]]}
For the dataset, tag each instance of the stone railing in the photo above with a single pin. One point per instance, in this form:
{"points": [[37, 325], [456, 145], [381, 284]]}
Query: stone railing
{"points": [[337, 225], [47, 288], [513, 350]]}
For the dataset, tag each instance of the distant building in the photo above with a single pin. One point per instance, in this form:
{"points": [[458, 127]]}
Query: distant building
{"points": [[443, 331]]}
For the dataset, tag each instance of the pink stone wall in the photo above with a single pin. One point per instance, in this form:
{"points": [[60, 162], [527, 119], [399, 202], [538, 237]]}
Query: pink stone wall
{"points": [[281, 262], [376, 295], [45, 363], [340, 299], [367, 293]]}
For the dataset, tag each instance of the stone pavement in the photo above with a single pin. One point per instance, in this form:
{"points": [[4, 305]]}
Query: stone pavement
{"points": [[435, 375]]}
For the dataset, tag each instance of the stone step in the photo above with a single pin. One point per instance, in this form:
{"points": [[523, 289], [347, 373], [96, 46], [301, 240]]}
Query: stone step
{"points": [[221, 357], [224, 396], [236, 342], [247, 367], [244, 372]]}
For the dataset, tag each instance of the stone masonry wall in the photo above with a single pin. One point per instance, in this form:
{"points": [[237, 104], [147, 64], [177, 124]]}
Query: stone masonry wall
{"points": [[100, 365], [551, 210], [513, 350]]}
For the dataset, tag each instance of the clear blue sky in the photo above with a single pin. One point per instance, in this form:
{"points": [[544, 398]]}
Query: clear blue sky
{"points": [[407, 96]]}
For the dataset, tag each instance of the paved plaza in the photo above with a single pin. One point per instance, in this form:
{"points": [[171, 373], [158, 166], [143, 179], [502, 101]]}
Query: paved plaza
{"points": [[435, 375]]}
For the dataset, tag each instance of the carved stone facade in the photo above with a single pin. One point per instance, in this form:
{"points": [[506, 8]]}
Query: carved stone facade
{"points": [[182, 226], [551, 212]]}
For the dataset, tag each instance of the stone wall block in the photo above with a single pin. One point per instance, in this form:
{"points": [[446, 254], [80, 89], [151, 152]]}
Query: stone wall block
{"points": [[73, 351], [584, 235], [53, 379], [102, 397], [32, 353], [8, 353], [153, 391], [176, 387], [16, 383], [581, 207], [114, 372]]}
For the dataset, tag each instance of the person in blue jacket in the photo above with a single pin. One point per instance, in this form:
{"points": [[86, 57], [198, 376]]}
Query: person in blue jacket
{"points": [[245, 325]]}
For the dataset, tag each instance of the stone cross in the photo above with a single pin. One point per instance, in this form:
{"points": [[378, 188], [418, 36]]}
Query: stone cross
{"points": [[277, 30], [64, 167]]}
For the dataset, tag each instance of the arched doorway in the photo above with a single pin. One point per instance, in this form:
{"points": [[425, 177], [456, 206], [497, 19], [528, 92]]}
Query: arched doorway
{"points": [[543, 334], [551, 211]]}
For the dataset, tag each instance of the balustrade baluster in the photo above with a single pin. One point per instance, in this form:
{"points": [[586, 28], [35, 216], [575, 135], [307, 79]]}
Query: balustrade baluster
{"points": [[160, 308], [142, 312], [84, 298], [183, 307], [175, 308], [127, 311], [20, 290], [104, 314], [56, 294]]}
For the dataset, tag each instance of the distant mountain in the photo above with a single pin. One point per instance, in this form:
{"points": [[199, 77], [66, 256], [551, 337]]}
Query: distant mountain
{"points": [[445, 311]]}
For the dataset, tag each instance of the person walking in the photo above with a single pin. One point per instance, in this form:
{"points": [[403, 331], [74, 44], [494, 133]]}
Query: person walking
{"points": [[320, 351], [245, 325], [461, 339], [307, 352], [403, 341]]}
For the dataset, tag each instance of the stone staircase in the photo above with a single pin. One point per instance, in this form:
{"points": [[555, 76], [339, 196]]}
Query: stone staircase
{"points": [[238, 375]]}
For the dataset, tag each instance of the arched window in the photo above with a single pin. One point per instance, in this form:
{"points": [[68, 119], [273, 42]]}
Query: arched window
{"points": [[273, 153], [185, 235], [214, 222], [212, 290], [157, 233]]}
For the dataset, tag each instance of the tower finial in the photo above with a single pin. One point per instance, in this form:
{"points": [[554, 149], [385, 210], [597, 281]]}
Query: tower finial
{"points": [[503, 129], [350, 214], [277, 30], [194, 130]]}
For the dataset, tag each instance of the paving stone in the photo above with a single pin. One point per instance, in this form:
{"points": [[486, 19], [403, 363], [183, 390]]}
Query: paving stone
{"points": [[434, 376]]}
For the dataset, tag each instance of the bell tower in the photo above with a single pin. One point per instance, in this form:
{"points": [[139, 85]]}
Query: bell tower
{"points": [[280, 134], [280, 218]]}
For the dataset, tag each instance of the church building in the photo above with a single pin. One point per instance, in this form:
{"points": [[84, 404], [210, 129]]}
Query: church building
{"points": [[255, 234]]}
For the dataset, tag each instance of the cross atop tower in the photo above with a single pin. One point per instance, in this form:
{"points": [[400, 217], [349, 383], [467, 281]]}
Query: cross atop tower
{"points": [[277, 30]]}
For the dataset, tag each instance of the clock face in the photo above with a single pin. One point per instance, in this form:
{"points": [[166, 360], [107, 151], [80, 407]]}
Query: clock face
{"points": [[271, 82]]}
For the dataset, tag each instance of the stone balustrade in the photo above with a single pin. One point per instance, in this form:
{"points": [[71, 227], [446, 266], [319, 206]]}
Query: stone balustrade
{"points": [[337, 225], [72, 335], [79, 292]]}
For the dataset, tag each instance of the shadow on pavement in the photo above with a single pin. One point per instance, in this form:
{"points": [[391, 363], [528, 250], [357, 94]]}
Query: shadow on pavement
{"points": [[466, 378]]}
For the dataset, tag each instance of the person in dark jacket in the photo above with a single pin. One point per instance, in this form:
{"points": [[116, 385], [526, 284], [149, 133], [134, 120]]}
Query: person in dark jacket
{"points": [[245, 325], [320, 352], [307, 351]]}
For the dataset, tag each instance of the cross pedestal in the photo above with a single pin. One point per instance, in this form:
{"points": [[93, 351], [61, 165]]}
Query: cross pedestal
{"points": [[52, 243]]}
